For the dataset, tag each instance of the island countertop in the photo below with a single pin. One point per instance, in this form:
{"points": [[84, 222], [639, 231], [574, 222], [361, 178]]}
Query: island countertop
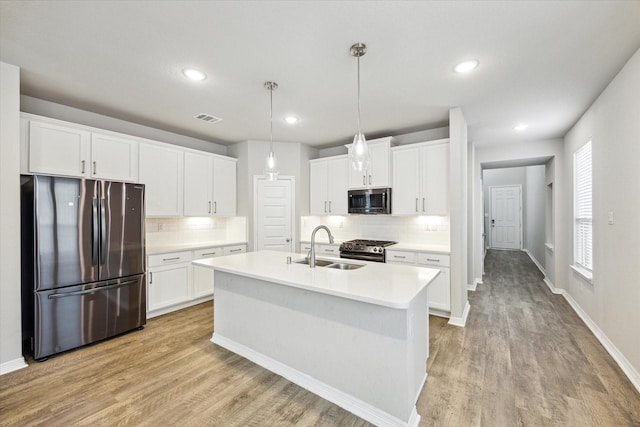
{"points": [[388, 285]]}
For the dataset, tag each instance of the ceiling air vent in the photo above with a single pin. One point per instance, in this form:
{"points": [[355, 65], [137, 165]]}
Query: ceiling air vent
{"points": [[207, 118]]}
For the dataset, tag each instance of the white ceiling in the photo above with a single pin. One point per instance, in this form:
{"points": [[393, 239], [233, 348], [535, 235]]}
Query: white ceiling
{"points": [[541, 62]]}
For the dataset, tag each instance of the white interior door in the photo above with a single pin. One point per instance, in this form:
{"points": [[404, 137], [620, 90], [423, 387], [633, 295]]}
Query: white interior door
{"points": [[505, 217], [274, 227]]}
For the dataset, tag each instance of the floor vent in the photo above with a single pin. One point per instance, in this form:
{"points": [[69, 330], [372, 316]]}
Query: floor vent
{"points": [[208, 118]]}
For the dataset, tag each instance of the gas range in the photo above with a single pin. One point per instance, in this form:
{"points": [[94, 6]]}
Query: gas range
{"points": [[368, 250]]}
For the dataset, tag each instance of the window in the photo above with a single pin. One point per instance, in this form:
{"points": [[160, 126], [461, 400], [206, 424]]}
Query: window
{"points": [[583, 230]]}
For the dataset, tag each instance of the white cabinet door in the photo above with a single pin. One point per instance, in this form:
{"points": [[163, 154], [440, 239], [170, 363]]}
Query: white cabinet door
{"points": [[161, 171], [202, 281], [377, 173], [337, 186], [435, 180], [318, 188], [224, 187], [405, 194], [440, 291], [114, 158], [198, 179], [58, 150], [168, 286]]}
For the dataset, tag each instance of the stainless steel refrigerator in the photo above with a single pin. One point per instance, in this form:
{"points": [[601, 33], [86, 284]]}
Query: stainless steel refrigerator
{"points": [[83, 261]]}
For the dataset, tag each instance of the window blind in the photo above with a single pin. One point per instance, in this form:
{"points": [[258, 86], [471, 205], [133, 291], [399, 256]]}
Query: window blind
{"points": [[583, 231]]}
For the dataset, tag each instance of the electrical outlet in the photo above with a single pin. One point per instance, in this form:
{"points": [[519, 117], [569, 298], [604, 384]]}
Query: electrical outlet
{"points": [[160, 226], [610, 217]]}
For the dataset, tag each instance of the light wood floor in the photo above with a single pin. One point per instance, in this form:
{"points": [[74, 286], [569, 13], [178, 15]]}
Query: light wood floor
{"points": [[524, 358]]}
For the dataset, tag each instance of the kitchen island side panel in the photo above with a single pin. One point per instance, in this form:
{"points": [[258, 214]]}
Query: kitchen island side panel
{"points": [[376, 354]]}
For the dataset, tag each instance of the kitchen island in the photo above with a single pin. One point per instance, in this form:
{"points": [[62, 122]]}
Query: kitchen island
{"points": [[358, 338]]}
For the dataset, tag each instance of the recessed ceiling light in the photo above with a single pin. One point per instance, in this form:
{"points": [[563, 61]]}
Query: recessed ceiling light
{"points": [[194, 74], [521, 127], [466, 66], [291, 119]]}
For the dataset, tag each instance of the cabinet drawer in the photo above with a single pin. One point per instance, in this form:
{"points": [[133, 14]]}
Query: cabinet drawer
{"points": [[169, 258], [208, 253], [236, 249], [305, 247], [329, 250], [436, 260], [400, 256]]}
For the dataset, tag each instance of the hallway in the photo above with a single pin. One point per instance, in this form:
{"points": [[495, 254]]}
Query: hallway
{"points": [[524, 358]]}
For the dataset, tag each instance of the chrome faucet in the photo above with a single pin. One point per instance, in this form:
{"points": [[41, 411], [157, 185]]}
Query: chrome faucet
{"points": [[312, 258]]}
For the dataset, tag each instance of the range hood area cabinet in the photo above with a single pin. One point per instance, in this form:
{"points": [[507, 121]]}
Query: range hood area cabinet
{"points": [[421, 178], [329, 185], [378, 173], [53, 147], [209, 185]]}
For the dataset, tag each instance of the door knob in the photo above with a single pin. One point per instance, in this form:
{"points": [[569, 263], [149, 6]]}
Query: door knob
{"points": [[287, 239]]}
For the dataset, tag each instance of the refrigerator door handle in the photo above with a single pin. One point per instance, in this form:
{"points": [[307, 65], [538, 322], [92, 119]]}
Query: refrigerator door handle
{"points": [[92, 290], [95, 235], [103, 228]]}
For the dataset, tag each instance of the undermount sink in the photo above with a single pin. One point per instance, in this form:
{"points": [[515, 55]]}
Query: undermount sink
{"points": [[345, 266], [319, 262], [330, 264]]}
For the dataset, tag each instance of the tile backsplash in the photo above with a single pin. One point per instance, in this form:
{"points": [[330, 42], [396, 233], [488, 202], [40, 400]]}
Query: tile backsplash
{"points": [[167, 231], [416, 229]]}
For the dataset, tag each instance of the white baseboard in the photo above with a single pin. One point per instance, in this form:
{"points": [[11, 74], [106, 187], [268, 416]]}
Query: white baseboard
{"points": [[535, 261], [622, 361], [552, 287], [352, 404], [472, 287], [12, 365], [461, 321]]}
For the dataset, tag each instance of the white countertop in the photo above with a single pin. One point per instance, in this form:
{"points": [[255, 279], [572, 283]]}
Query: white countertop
{"points": [[389, 285], [175, 247]]}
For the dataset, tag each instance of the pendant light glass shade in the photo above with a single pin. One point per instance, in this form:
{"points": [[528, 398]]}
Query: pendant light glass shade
{"points": [[359, 153], [359, 149], [270, 166]]}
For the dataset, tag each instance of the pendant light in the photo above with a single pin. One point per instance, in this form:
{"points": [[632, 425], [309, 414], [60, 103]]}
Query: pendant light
{"points": [[270, 169], [359, 149]]}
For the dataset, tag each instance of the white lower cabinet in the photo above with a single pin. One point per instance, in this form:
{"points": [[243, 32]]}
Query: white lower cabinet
{"points": [[440, 289], [321, 249], [174, 283]]}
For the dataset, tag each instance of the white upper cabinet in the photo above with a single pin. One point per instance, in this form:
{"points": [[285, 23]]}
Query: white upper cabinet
{"points": [[58, 149], [421, 179], [114, 158], [377, 174], [161, 171], [224, 186], [329, 185], [209, 185]]}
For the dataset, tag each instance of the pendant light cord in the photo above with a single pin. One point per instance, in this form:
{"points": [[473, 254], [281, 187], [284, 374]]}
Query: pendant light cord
{"points": [[271, 120], [359, 95]]}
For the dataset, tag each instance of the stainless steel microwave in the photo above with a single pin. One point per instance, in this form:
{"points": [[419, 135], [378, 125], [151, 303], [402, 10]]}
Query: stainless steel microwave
{"points": [[371, 201]]}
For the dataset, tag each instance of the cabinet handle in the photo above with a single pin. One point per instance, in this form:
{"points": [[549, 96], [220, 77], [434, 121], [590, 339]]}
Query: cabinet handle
{"points": [[423, 205], [215, 207], [329, 250], [209, 253], [369, 179], [171, 259], [209, 206], [398, 256], [329, 206], [416, 204], [235, 250], [364, 182], [325, 206], [150, 277], [82, 166], [433, 260], [95, 168]]}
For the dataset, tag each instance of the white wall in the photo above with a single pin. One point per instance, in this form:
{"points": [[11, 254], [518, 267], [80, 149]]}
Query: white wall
{"points": [[534, 207], [10, 320], [74, 115], [612, 302], [458, 149]]}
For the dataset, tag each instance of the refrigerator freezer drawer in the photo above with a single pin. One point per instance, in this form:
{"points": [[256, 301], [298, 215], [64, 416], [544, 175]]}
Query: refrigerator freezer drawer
{"points": [[77, 315]]}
